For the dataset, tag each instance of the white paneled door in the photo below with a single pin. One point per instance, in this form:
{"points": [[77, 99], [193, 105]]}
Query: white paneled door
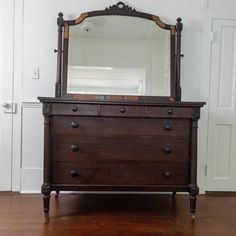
{"points": [[6, 83], [221, 163]]}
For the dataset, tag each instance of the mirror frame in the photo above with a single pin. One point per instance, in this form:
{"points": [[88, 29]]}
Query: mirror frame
{"points": [[120, 9]]}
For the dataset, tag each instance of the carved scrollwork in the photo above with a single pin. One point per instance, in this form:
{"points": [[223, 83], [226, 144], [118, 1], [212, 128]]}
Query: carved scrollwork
{"points": [[193, 190], [120, 7], [46, 109], [46, 189]]}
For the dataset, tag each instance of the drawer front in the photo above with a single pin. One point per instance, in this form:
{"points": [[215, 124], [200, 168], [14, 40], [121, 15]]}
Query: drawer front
{"points": [[169, 112], [120, 173], [65, 127], [136, 148], [124, 111], [75, 109]]}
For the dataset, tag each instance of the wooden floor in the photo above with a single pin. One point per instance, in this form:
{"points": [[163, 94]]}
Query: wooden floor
{"points": [[109, 215]]}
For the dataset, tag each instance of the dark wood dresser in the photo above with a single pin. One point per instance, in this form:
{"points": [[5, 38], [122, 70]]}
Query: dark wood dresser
{"points": [[120, 146], [117, 122]]}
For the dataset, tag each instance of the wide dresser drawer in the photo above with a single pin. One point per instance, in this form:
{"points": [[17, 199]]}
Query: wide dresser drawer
{"points": [[86, 148], [73, 126], [120, 173]]}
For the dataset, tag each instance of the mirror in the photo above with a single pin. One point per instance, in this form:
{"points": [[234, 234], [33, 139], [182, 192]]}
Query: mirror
{"points": [[118, 55]]}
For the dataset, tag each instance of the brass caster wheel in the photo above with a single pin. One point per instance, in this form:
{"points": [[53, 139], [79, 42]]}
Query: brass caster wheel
{"points": [[193, 217]]}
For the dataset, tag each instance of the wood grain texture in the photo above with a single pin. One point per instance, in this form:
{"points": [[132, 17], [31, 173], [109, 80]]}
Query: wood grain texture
{"points": [[118, 126], [126, 147], [120, 173], [115, 215]]}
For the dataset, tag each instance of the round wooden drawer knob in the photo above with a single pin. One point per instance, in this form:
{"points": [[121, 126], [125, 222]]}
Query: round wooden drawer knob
{"points": [[74, 108], [170, 111], [167, 127], [167, 174], [168, 149], [74, 173], [74, 147], [74, 124], [122, 110]]}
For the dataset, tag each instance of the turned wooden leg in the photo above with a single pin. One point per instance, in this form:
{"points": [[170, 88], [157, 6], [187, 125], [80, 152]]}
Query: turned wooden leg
{"points": [[46, 191], [57, 194], [193, 192], [46, 202], [193, 201]]}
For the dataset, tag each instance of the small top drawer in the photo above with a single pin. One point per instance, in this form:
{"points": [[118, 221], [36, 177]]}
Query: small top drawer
{"points": [[125, 111], [169, 112], [75, 109]]}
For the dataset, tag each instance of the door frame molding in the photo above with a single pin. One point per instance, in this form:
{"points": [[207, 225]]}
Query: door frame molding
{"points": [[17, 94], [7, 12]]}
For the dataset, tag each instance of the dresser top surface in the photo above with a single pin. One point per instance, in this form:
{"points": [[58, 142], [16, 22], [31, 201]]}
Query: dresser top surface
{"points": [[135, 103]]}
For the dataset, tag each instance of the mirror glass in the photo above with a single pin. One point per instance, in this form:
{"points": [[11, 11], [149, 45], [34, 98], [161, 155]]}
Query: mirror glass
{"points": [[118, 55]]}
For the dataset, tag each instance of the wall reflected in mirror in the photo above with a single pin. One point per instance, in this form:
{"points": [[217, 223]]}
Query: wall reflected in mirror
{"points": [[118, 55]]}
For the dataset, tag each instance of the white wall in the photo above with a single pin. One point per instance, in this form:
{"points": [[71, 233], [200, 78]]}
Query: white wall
{"points": [[37, 20]]}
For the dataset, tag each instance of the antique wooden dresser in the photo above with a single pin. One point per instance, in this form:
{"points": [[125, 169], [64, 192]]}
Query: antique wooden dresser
{"points": [[97, 142]]}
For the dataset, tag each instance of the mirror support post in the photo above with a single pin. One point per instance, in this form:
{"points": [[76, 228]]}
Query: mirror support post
{"points": [[179, 28], [60, 23]]}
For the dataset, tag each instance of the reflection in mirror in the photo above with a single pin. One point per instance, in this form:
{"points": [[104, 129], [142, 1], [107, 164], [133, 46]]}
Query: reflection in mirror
{"points": [[118, 55]]}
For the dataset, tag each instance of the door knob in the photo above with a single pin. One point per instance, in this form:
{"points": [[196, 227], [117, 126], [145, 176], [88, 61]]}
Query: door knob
{"points": [[6, 105], [9, 107]]}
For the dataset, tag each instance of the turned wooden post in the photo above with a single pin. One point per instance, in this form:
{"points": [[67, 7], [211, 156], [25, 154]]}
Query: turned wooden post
{"points": [[60, 23], [46, 187]]}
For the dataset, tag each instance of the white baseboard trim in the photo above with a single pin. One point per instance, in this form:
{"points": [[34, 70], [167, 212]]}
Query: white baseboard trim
{"points": [[30, 192]]}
